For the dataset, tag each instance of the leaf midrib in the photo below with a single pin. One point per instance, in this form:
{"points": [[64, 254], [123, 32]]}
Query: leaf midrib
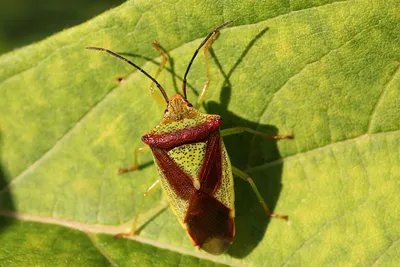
{"points": [[90, 230]]}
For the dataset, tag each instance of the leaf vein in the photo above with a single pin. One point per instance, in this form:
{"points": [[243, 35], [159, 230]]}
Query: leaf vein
{"points": [[393, 243], [101, 249], [316, 150], [337, 218], [308, 64], [380, 97], [48, 56]]}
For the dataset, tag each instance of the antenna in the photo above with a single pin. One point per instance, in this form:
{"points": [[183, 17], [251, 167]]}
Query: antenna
{"points": [[197, 51], [134, 65]]}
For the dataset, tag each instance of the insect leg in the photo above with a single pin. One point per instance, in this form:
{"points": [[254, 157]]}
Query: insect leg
{"points": [[236, 130], [153, 89], [247, 178], [135, 160], [146, 194], [203, 92]]}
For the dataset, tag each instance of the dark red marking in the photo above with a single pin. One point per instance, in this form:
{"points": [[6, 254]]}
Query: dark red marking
{"points": [[183, 136], [210, 174], [180, 182], [207, 218]]}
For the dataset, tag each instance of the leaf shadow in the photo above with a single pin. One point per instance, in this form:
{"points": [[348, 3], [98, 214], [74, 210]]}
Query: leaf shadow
{"points": [[6, 200], [251, 221], [152, 218], [250, 228]]}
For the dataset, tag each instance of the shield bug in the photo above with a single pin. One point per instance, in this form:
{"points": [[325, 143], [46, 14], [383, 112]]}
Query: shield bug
{"points": [[193, 165]]}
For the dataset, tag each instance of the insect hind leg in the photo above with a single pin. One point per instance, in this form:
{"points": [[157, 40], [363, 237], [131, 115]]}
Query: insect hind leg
{"points": [[248, 179], [135, 220], [238, 130]]}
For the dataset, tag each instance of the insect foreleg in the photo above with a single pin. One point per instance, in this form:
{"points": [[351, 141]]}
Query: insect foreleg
{"points": [[146, 194], [203, 92], [211, 34], [237, 130], [248, 179], [153, 89], [135, 160]]}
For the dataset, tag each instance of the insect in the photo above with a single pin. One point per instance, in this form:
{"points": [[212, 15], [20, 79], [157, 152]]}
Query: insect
{"points": [[192, 162]]}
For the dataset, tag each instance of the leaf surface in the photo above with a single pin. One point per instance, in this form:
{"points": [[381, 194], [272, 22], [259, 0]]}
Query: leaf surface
{"points": [[326, 71]]}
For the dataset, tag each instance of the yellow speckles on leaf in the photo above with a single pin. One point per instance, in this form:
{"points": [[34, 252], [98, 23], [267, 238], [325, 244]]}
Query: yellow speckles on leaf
{"points": [[82, 186], [303, 28], [283, 52]]}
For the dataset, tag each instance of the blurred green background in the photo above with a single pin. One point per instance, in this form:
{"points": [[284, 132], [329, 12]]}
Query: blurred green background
{"points": [[25, 21]]}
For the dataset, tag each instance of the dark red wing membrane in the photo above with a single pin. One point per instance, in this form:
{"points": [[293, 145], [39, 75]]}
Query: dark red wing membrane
{"points": [[211, 170], [181, 183], [209, 223]]}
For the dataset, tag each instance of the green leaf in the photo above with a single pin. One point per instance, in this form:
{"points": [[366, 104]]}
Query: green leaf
{"points": [[326, 71]]}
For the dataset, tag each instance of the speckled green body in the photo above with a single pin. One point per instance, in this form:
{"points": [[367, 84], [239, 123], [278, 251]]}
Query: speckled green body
{"points": [[180, 123], [190, 159]]}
